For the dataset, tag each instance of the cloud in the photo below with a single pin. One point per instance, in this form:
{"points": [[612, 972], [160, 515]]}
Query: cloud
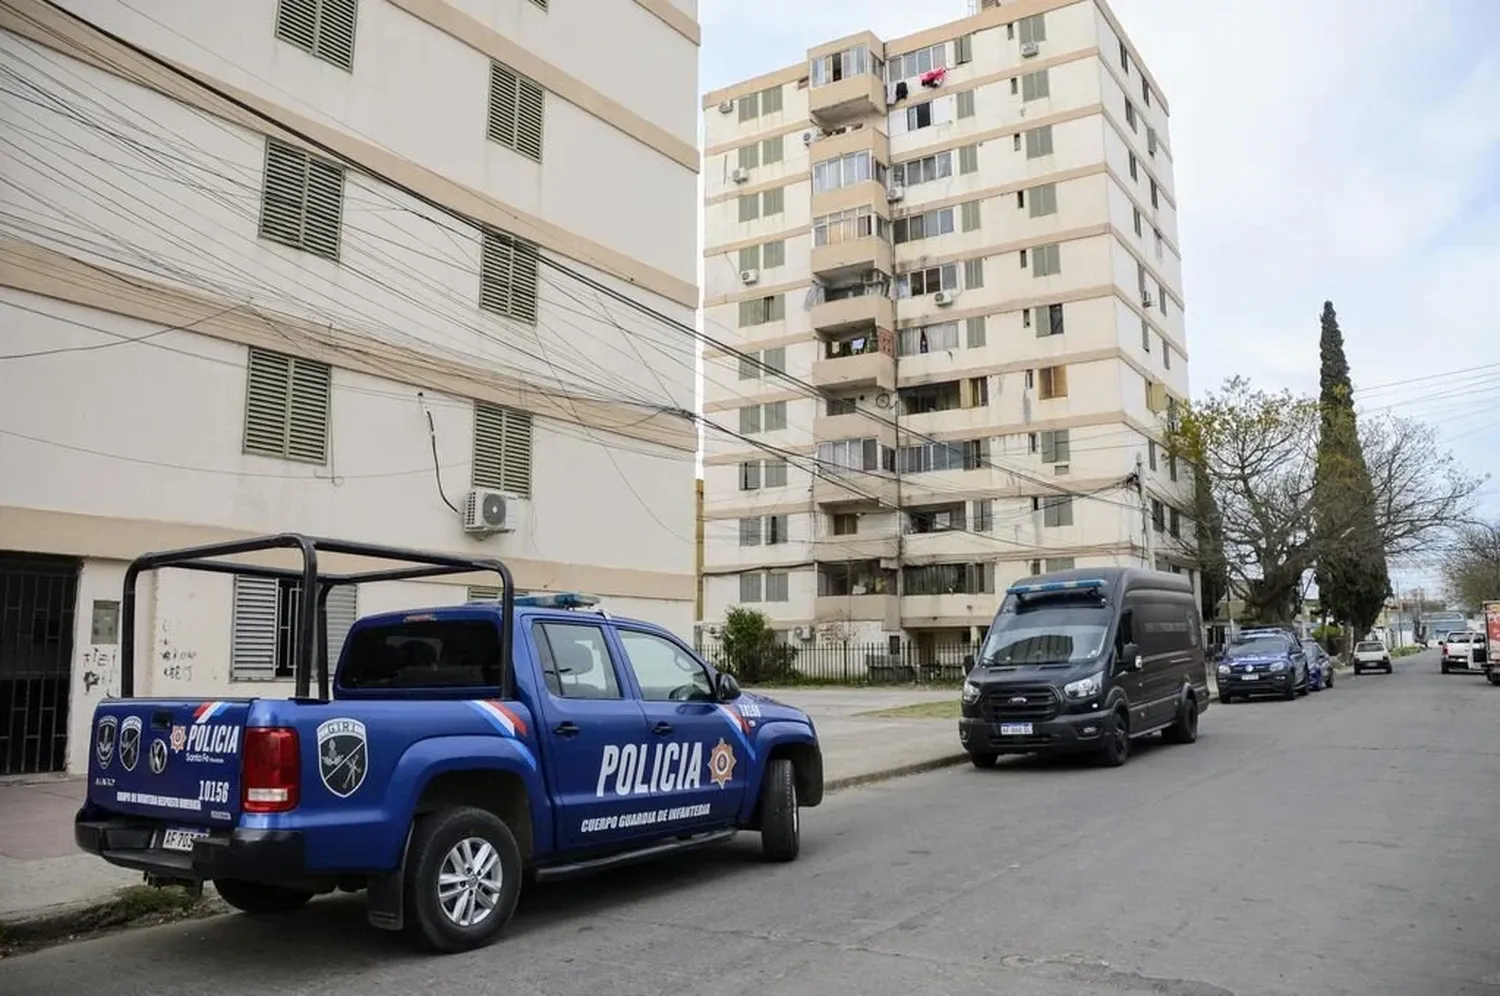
{"points": [[1324, 149]]}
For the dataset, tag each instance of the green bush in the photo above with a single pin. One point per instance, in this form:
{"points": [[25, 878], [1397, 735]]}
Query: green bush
{"points": [[750, 651]]}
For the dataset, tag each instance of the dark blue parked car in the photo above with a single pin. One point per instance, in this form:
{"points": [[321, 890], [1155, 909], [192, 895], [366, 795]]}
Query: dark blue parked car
{"points": [[1265, 662]]}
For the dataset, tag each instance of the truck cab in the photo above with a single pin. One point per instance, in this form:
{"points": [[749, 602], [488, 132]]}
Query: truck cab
{"points": [[449, 755]]}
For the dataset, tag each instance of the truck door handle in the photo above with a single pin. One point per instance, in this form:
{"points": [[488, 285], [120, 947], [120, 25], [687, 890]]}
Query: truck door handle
{"points": [[662, 729], [567, 728]]}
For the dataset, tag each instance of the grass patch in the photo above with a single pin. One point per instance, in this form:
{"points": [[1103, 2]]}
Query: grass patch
{"points": [[1405, 651], [135, 906], [948, 709]]}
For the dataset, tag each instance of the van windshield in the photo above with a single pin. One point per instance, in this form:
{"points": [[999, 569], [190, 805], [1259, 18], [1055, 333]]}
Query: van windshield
{"points": [[1055, 632]]}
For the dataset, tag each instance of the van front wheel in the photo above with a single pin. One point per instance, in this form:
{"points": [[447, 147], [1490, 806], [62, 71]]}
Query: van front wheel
{"points": [[1115, 750]]}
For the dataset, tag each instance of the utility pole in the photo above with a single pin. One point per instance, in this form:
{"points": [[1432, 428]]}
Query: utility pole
{"points": [[1148, 543]]}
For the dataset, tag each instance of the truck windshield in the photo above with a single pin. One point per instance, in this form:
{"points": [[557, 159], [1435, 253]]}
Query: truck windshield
{"points": [[442, 653], [1055, 632], [1263, 647]]}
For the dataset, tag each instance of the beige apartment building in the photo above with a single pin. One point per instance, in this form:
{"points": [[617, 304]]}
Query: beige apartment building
{"points": [[943, 277]]}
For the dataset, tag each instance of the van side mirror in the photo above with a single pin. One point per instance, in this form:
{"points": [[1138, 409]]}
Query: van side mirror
{"points": [[968, 663], [726, 687], [1130, 658]]}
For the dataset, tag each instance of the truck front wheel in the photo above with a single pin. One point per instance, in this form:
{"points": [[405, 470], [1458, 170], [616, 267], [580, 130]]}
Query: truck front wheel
{"points": [[463, 877], [780, 828]]}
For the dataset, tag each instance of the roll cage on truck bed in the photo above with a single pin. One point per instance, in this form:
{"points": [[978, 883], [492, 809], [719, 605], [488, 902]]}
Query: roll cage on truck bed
{"points": [[436, 787]]}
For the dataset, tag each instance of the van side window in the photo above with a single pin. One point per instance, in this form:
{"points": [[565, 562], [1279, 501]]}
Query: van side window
{"points": [[1126, 632], [575, 661], [1166, 628]]}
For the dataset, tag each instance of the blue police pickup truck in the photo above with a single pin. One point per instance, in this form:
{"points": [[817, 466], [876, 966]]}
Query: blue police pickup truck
{"points": [[452, 752]]}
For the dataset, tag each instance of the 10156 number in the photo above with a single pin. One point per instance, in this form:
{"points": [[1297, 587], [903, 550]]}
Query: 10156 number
{"points": [[213, 791]]}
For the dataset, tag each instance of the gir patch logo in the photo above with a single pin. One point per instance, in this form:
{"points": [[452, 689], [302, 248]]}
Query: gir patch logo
{"points": [[721, 762]]}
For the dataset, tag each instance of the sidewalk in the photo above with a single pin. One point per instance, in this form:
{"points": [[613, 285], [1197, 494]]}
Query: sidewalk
{"points": [[43, 874]]}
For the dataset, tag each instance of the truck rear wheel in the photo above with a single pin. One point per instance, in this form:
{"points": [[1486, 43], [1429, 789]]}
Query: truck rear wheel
{"points": [[260, 898], [463, 877], [780, 827]]}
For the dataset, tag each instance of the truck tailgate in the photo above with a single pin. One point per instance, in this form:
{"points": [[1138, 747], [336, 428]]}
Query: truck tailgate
{"points": [[174, 760]]}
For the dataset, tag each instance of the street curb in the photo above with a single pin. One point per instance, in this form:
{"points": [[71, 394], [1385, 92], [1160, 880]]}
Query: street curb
{"points": [[131, 906], [915, 768]]}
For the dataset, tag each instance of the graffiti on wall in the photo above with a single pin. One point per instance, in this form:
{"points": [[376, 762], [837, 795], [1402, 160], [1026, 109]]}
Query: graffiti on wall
{"points": [[175, 660], [101, 669]]}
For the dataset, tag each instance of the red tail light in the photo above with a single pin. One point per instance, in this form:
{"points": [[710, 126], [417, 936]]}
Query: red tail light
{"points": [[272, 772]]}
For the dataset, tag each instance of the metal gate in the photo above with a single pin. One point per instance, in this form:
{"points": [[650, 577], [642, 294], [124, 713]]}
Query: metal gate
{"points": [[38, 596]]}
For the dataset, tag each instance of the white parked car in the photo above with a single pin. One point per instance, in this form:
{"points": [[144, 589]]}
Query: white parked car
{"points": [[1463, 651], [1371, 655]]}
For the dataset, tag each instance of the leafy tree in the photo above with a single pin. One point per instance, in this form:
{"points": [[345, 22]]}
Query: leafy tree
{"points": [[1472, 566], [1352, 574], [750, 651]]}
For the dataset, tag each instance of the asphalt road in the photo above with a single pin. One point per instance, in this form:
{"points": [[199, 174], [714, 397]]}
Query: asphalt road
{"points": [[1347, 842]]}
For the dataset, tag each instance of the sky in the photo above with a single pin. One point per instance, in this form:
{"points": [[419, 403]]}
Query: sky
{"points": [[1324, 150]]}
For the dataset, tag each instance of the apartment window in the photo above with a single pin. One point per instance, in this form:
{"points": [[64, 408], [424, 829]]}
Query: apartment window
{"points": [[1136, 213], [1151, 452], [1161, 297], [928, 281], [502, 449], [750, 258], [1158, 515], [302, 200], [1048, 320], [750, 475], [1151, 142], [749, 207], [923, 226], [753, 105], [924, 170], [1176, 523], [903, 67], [1124, 58], [1166, 354], [772, 202], [948, 579], [1054, 445], [936, 338], [762, 310], [773, 150], [287, 407], [1155, 196], [516, 111], [774, 473], [1156, 233], [1057, 511], [1052, 382], [925, 115], [845, 524], [749, 156], [1172, 466], [322, 28], [750, 587], [1145, 92], [963, 50], [773, 254], [845, 171], [969, 216], [842, 65], [856, 454], [970, 454], [1034, 29], [975, 332], [749, 420], [263, 626], [1046, 260], [840, 406], [773, 416], [848, 225], [774, 359], [974, 273], [777, 586], [1130, 117], [979, 392], [1044, 200], [982, 515], [1039, 142], [1035, 86], [968, 159], [1145, 336], [509, 276], [1135, 168], [965, 103]]}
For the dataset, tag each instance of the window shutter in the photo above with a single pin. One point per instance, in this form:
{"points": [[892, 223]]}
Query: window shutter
{"points": [[773, 201], [770, 100], [773, 150], [750, 258], [324, 28], [343, 609], [517, 109], [1049, 446], [774, 254], [287, 405], [749, 587], [307, 417], [969, 216], [973, 273], [965, 103], [749, 156], [502, 449], [301, 200], [968, 159], [509, 276], [252, 649], [749, 207]]}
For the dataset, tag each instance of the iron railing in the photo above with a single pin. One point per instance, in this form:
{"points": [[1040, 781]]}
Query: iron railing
{"points": [[886, 663]]}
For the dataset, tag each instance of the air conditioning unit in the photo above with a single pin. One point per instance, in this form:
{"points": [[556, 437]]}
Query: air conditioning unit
{"points": [[895, 192], [740, 174], [487, 512], [749, 276], [1028, 50], [725, 106], [944, 298], [714, 631], [803, 633], [807, 138], [1146, 298]]}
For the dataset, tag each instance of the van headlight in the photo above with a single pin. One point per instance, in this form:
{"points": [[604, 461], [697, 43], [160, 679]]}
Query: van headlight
{"points": [[1279, 666], [1085, 688], [1223, 668], [971, 693]]}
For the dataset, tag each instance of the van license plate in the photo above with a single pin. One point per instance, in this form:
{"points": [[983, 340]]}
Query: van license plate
{"points": [[1249, 677], [181, 840], [1015, 729]]}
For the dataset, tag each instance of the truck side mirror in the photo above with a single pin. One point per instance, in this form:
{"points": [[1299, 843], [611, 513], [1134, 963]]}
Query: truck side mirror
{"points": [[726, 687]]}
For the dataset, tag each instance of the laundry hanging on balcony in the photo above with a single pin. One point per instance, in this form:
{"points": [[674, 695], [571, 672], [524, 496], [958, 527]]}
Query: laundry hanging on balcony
{"points": [[901, 90], [933, 77]]}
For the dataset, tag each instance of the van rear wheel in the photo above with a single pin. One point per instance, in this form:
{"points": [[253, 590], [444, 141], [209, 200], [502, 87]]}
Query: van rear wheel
{"points": [[1185, 730], [463, 877], [259, 898]]}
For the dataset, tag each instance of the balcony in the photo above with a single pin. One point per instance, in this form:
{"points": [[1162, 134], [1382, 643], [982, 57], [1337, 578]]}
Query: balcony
{"points": [[857, 590], [837, 259], [866, 361], [884, 609], [858, 546], [857, 312], [862, 491], [872, 424], [858, 95], [928, 611]]}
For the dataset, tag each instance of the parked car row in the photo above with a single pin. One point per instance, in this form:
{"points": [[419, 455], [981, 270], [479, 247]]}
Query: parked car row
{"points": [[1272, 662]]}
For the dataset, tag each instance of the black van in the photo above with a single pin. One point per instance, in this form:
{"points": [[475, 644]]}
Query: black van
{"points": [[1087, 660]]}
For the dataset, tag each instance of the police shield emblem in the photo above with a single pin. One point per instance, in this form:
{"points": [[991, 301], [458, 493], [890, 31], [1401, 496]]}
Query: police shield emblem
{"points": [[104, 740], [130, 742], [343, 756]]}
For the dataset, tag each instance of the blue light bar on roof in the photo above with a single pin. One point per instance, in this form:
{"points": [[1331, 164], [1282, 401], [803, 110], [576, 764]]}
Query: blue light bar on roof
{"points": [[1041, 587], [558, 600]]}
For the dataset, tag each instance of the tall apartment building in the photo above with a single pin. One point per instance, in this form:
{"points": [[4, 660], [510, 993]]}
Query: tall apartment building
{"points": [[944, 273], [369, 269]]}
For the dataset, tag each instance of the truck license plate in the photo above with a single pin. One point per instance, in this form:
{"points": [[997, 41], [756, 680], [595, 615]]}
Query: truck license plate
{"points": [[1015, 729], [181, 840], [1249, 677]]}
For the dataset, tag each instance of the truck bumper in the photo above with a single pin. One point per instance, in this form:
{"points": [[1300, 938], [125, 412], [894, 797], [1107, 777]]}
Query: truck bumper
{"points": [[252, 855]]}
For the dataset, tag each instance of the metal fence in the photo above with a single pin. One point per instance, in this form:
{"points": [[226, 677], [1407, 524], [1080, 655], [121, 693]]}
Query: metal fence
{"points": [[902, 663]]}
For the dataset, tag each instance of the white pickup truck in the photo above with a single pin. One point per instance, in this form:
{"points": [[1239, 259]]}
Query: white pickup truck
{"points": [[1464, 650]]}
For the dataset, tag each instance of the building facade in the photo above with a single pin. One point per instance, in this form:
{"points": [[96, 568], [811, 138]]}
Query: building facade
{"points": [[342, 267], [943, 277]]}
